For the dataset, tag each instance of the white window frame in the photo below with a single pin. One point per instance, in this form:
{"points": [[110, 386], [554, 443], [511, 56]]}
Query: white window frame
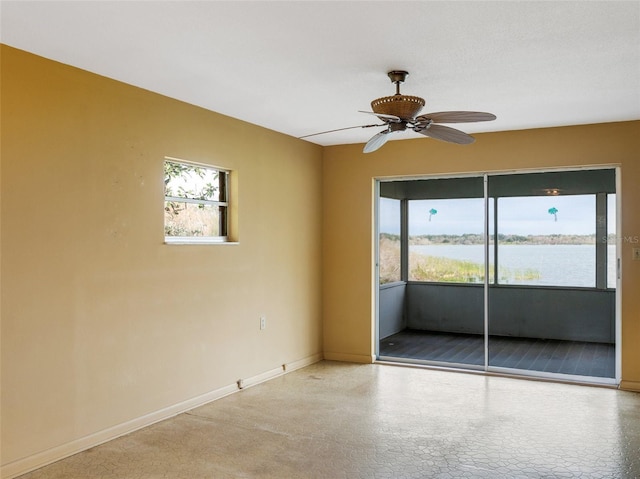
{"points": [[222, 203]]}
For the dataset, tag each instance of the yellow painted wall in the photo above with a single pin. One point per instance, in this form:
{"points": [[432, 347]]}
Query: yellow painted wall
{"points": [[348, 191], [102, 323]]}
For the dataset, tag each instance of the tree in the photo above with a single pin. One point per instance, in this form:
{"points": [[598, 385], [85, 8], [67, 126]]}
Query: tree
{"points": [[189, 182]]}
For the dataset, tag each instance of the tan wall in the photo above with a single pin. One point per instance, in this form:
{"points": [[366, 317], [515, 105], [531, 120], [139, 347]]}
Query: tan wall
{"points": [[101, 322], [348, 191]]}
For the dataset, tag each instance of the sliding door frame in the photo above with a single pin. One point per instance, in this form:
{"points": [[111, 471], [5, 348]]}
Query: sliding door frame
{"points": [[487, 368]]}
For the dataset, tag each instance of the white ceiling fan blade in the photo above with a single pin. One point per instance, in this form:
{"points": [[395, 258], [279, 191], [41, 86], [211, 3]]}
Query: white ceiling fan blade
{"points": [[445, 133], [376, 141], [382, 116], [456, 117]]}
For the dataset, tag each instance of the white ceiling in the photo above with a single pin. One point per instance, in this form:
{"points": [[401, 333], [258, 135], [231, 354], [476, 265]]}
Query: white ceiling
{"points": [[300, 67]]}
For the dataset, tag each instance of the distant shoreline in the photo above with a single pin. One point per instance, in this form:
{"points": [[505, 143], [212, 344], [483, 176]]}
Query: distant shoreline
{"points": [[471, 239]]}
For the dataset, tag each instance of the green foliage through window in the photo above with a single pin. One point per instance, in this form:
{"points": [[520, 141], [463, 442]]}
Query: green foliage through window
{"points": [[195, 201]]}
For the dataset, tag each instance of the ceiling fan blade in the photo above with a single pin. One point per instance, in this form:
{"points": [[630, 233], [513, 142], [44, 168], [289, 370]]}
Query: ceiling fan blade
{"points": [[445, 133], [376, 141], [338, 129], [456, 117], [382, 116]]}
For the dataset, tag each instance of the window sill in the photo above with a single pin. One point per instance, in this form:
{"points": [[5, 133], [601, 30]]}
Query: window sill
{"points": [[197, 241]]}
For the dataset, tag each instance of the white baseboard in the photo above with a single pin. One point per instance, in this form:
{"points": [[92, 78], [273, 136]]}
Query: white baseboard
{"points": [[304, 362], [43, 458], [285, 368], [350, 358]]}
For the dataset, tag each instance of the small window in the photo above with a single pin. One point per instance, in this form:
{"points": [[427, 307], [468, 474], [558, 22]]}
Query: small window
{"points": [[195, 203]]}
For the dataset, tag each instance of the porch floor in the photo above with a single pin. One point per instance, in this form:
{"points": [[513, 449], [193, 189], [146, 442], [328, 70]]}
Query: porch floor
{"points": [[547, 355]]}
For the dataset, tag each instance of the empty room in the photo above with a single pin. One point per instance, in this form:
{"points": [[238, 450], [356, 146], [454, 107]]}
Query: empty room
{"points": [[308, 239]]}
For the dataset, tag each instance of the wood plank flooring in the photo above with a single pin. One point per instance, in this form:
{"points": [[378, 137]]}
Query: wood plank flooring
{"points": [[547, 355]]}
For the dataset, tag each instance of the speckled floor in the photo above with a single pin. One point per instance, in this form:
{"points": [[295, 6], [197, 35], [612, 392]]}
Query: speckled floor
{"points": [[337, 420]]}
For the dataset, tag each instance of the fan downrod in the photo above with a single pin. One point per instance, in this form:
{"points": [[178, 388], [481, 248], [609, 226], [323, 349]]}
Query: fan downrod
{"points": [[397, 77]]}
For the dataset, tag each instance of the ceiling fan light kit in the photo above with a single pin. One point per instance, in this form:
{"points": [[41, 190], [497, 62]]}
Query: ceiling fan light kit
{"points": [[399, 112]]}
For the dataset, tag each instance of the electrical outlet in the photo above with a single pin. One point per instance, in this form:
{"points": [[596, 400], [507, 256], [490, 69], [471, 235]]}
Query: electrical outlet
{"points": [[636, 254], [263, 322]]}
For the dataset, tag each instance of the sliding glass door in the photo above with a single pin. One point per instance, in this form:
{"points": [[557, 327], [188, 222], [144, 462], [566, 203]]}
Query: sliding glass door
{"points": [[552, 302], [509, 273], [433, 313]]}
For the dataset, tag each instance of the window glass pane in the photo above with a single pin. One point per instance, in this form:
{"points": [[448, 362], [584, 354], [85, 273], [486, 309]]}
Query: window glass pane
{"points": [[389, 246], [547, 240], [190, 181], [492, 202], [611, 241], [446, 240], [203, 212], [191, 219]]}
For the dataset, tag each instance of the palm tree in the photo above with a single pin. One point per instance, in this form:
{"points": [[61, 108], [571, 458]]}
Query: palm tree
{"points": [[432, 212], [554, 211]]}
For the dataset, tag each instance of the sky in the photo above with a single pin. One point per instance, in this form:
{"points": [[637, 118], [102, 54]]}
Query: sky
{"points": [[574, 214]]}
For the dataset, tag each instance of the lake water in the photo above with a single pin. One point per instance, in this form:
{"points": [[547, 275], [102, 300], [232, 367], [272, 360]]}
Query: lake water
{"points": [[556, 265]]}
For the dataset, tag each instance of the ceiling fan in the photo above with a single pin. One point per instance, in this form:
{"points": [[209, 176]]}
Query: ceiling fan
{"points": [[400, 112]]}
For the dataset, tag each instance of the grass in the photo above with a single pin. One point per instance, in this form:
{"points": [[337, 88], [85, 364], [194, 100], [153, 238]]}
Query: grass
{"points": [[447, 270], [439, 269], [389, 260]]}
